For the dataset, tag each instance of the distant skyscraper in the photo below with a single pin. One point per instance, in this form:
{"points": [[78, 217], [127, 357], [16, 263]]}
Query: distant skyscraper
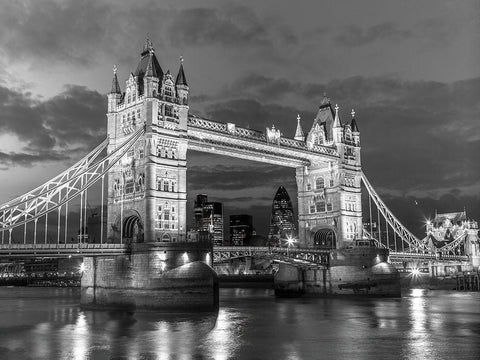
{"points": [[209, 217], [200, 202], [282, 223], [241, 228]]}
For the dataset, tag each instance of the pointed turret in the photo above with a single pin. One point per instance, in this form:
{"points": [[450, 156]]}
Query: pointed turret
{"points": [[299, 134], [353, 124], [181, 79], [355, 131], [337, 128], [115, 89], [149, 72], [115, 94], [181, 84], [336, 121]]}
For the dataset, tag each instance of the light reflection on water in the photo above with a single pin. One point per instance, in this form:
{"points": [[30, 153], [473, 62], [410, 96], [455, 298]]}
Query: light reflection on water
{"points": [[251, 324]]}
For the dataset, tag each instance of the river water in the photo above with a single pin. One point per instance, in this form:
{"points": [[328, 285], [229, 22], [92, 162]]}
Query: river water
{"points": [[47, 323]]}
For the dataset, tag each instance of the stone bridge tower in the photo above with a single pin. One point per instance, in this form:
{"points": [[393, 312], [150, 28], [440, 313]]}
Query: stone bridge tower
{"points": [[329, 192], [147, 189]]}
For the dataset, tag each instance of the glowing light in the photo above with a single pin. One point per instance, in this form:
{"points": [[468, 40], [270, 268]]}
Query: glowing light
{"points": [[415, 272], [290, 241], [207, 258], [82, 268], [185, 257]]}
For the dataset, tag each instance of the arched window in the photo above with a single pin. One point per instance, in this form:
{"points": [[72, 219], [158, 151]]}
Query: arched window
{"points": [[320, 206], [319, 183]]}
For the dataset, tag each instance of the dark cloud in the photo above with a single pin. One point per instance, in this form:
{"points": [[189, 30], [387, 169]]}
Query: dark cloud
{"points": [[251, 113], [226, 26], [26, 159], [66, 31], [358, 36], [239, 177], [418, 137], [74, 120]]}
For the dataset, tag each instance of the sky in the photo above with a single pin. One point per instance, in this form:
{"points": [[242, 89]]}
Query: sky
{"points": [[411, 70]]}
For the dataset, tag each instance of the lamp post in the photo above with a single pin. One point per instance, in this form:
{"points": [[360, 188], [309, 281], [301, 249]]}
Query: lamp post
{"points": [[290, 242]]}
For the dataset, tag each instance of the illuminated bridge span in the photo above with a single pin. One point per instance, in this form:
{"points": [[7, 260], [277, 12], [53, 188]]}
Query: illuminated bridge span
{"points": [[137, 178]]}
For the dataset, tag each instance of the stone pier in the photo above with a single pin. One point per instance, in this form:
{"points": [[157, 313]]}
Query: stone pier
{"points": [[153, 276]]}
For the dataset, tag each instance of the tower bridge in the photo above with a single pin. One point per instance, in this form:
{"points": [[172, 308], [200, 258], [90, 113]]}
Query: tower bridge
{"points": [[142, 178]]}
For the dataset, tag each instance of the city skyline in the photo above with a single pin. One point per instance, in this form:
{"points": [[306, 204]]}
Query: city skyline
{"points": [[416, 112]]}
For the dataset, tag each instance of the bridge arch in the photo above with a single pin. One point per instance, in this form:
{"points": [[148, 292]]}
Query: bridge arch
{"points": [[324, 237], [132, 226]]}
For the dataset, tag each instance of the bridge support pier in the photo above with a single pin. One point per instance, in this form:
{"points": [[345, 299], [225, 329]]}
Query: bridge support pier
{"points": [[154, 276]]}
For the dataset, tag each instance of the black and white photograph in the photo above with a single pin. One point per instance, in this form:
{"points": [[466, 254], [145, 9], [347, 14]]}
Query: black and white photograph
{"points": [[248, 180]]}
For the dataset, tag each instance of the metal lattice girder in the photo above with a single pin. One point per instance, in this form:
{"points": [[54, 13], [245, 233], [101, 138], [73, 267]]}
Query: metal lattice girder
{"points": [[396, 225], [60, 178], [455, 243], [72, 183]]}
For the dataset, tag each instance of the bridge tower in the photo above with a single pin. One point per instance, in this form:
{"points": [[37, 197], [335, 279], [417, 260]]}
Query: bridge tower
{"points": [[329, 191], [147, 189]]}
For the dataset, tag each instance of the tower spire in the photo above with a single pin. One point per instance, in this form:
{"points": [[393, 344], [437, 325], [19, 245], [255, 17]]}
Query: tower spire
{"points": [[336, 121], [299, 134], [115, 89], [353, 124], [181, 79]]}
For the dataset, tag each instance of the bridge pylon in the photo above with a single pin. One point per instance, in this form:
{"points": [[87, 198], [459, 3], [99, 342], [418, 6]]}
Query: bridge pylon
{"points": [[147, 188], [329, 190]]}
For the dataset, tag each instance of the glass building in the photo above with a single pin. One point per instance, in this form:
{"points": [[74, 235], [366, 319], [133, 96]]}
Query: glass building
{"points": [[241, 229], [282, 222]]}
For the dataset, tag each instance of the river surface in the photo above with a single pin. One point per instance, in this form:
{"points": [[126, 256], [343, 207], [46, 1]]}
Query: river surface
{"points": [[47, 323]]}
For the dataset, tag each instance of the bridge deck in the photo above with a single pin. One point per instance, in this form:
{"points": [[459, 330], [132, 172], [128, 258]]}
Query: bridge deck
{"points": [[221, 253]]}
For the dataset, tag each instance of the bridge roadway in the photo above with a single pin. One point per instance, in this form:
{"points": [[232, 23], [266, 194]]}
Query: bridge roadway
{"points": [[220, 253]]}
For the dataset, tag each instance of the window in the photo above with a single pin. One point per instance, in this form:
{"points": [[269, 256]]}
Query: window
{"points": [[329, 207], [312, 209], [309, 187], [321, 206], [165, 185], [141, 153], [159, 188], [320, 183], [129, 186], [331, 182], [166, 215], [138, 114], [168, 91], [168, 111], [173, 186]]}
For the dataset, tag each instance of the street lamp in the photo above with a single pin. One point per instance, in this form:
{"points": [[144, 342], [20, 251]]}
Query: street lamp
{"points": [[290, 242]]}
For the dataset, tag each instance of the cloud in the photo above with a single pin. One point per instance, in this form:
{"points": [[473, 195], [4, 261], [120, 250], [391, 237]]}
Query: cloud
{"points": [[419, 137], [238, 177], [358, 36], [226, 26], [32, 28], [55, 129]]}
